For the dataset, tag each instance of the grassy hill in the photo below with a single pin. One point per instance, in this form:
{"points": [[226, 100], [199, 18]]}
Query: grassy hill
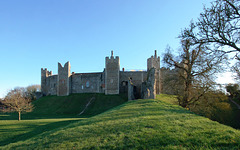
{"points": [[53, 112], [72, 105], [140, 124]]}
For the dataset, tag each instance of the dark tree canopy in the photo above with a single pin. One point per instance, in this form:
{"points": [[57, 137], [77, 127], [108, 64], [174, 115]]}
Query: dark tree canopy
{"points": [[233, 90]]}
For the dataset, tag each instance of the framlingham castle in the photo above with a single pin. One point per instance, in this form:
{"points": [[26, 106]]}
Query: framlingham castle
{"points": [[136, 84]]}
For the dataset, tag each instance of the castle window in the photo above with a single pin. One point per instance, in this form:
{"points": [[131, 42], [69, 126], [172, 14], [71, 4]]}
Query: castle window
{"points": [[87, 84], [124, 83], [82, 87], [111, 81]]}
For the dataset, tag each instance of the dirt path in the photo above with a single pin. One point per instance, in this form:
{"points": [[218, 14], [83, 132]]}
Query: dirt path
{"points": [[238, 106], [90, 101]]}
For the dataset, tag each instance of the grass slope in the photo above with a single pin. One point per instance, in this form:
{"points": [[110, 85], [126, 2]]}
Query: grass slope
{"points": [[75, 103], [53, 112], [224, 112], [14, 131], [140, 124]]}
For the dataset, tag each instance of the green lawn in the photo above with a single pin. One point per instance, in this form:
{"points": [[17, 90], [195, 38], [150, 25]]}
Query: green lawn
{"points": [[14, 131], [140, 124]]}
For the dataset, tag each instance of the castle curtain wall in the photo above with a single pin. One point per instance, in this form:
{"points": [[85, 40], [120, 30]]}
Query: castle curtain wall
{"points": [[110, 81], [87, 83], [52, 84], [137, 77]]}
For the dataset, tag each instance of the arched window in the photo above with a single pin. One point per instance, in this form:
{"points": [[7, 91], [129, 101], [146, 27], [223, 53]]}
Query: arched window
{"points": [[87, 84]]}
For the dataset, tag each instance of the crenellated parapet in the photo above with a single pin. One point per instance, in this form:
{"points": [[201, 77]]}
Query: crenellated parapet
{"points": [[113, 60], [45, 72], [153, 62]]}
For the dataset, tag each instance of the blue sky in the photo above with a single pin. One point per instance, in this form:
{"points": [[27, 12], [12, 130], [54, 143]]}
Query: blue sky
{"points": [[39, 34]]}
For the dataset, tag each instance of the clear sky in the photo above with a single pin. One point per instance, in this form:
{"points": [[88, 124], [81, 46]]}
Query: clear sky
{"points": [[37, 34]]}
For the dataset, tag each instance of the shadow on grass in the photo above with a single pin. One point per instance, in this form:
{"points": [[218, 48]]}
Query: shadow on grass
{"points": [[38, 130], [32, 116], [8, 116], [234, 120]]}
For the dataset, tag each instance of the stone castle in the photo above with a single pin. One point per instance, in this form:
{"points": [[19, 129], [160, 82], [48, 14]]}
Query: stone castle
{"points": [[136, 84]]}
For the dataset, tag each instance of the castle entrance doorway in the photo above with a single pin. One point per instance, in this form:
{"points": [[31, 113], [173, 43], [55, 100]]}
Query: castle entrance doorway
{"points": [[136, 92]]}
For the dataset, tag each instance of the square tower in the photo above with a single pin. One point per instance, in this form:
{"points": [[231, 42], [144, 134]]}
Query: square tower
{"points": [[44, 75], [154, 62], [63, 79], [112, 67]]}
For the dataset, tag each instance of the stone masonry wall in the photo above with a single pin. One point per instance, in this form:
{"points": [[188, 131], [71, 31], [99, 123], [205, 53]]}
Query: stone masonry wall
{"points": [[44, 80], [52, 85], [137, 77], [112, 75], [154, 62], [87, 83], [63, 79], [130, 90], [158, 83], [149, 86]]}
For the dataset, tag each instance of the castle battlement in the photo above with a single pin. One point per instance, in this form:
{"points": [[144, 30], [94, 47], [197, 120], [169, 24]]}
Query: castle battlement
{"points": [[45, 72], [116, 58], [153, 62], [112, 59]]}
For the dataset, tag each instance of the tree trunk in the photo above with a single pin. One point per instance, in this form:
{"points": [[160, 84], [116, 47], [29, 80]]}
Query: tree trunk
{"points": [[19, 116]]}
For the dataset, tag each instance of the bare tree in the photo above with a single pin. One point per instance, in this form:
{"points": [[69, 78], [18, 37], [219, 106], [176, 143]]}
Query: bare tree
{"points": [[31, 90], [196, 65], [16, 101], [218, 26]]}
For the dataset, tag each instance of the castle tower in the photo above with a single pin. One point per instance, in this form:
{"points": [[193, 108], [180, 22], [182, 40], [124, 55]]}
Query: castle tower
{"points": [[44, 75], [154, 62], [112, 67], [63, 79]]}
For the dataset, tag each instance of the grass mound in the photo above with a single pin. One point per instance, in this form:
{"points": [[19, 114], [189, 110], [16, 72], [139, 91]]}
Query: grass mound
{"points": [[52, 112], [140, 124], [73, 104]]}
